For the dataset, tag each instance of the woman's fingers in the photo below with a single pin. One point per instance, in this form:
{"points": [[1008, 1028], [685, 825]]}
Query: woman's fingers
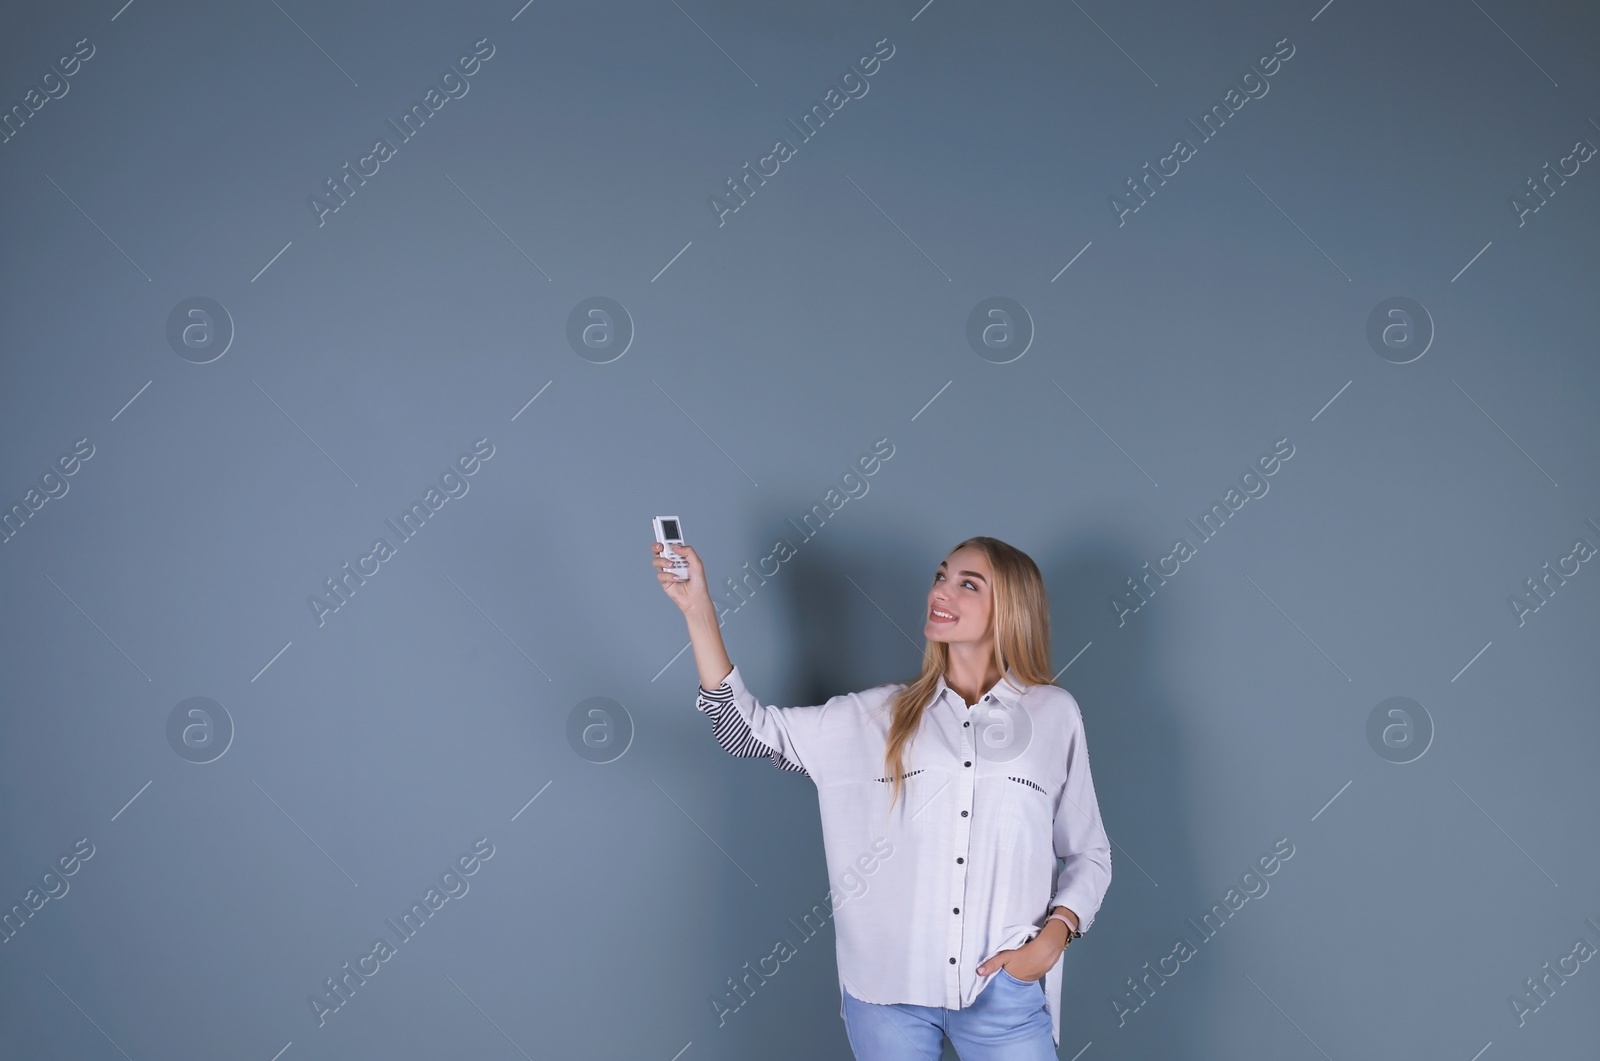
{"points": [[678, 589]]}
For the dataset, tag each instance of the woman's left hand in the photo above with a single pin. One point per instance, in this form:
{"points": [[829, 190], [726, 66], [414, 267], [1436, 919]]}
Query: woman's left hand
{"points": [[1028, 962]]}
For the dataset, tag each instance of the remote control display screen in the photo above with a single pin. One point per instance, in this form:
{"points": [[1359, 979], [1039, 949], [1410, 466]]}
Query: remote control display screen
{"points": [[669, 529]]}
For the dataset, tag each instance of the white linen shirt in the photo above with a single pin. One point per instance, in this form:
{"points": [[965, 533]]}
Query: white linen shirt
{"points": [[965, 866]]}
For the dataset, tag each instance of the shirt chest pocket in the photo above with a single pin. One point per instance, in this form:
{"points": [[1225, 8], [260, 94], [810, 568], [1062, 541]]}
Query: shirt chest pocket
{"points": [[1019, 812]]}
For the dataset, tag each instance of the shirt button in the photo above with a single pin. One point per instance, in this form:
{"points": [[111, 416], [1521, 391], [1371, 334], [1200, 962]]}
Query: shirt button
{"points": [[967, 763], [952, 961], [966, 723], [957, 910], [959, 859], [963, 814]]}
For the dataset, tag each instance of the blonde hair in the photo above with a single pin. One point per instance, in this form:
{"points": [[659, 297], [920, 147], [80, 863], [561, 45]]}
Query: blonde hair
{"points": [[1020, 625]]}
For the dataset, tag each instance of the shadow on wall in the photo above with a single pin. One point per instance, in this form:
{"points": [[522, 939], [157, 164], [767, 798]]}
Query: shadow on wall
{"points": [[1138, 752], [853, 619]]}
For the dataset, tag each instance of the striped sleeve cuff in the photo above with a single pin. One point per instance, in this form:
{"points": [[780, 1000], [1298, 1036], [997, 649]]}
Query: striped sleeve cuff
{"points": [[730, 730]]}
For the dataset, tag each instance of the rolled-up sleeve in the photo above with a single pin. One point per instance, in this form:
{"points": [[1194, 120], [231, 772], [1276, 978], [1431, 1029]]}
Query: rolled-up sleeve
{"points": [[746, 728], [1080, 837]]}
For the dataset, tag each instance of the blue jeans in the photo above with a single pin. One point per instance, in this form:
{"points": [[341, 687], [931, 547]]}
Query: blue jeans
{"points": [[1008, 1022]]}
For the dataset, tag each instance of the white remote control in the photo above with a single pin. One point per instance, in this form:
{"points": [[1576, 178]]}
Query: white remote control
{"points": [[670, 533]]}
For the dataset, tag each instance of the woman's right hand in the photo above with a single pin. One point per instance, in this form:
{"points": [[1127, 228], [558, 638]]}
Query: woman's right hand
{"points": [[688, 593], [694, 600]]}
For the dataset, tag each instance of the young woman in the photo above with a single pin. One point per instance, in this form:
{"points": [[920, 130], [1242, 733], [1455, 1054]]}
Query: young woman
{"points": [[945, 802]]}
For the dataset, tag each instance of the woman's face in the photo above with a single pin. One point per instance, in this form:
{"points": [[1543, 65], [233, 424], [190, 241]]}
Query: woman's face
{"points": [[963, 588]]}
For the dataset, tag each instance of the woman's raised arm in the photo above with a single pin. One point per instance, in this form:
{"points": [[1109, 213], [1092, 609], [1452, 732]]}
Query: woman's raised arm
{"points": [[694, 600]]}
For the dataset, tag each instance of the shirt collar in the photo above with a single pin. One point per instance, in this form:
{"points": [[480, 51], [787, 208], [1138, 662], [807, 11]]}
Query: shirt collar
{"points": [[1000, 689]]}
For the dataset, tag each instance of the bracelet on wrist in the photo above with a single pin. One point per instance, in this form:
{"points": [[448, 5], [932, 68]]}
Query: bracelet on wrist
{"points": [[1072, 933]]}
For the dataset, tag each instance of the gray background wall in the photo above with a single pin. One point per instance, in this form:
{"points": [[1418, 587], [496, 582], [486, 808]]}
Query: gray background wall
{"points": [[341, 368]]}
